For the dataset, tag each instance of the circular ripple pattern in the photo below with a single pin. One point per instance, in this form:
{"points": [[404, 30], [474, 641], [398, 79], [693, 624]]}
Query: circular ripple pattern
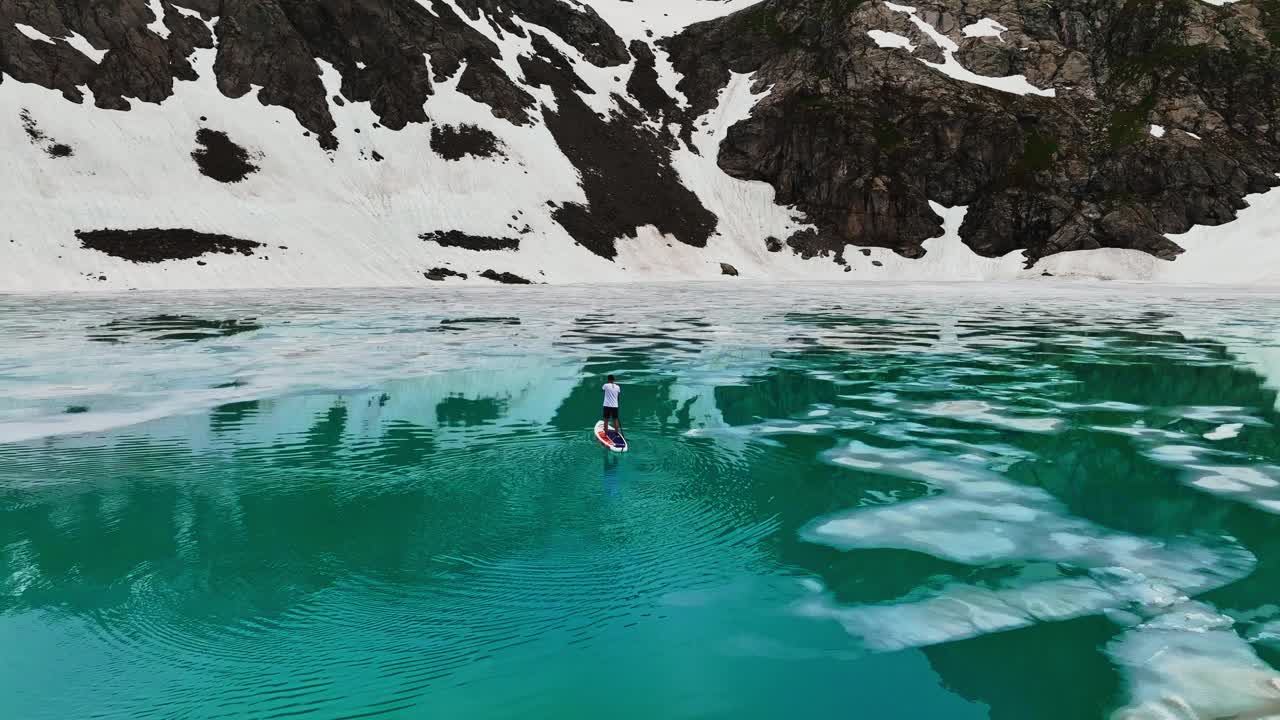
{"points": [[350, 567], [276, 508]]}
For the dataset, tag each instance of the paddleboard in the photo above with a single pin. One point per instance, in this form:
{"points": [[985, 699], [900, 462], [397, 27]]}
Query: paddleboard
{"points": [[612, 440]]}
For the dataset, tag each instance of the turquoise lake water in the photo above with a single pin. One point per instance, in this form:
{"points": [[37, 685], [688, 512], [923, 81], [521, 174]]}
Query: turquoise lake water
{"points": [[916, 501]]}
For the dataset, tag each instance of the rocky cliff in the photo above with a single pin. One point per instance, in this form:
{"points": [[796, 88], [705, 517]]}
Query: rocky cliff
{"points": [[406, 141]]}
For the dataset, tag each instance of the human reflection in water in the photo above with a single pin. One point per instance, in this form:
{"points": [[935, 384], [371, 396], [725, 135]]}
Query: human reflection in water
{"points": [[611, 481]]}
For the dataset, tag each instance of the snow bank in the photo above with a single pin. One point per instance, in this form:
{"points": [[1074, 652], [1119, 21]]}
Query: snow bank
{"points": [[352, 217], [979, 518]]}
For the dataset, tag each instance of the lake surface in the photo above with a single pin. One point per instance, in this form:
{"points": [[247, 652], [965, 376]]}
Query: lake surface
{"points": [[950, 501]]}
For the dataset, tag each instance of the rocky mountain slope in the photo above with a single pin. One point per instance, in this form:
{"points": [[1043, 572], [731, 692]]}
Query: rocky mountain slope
{"points": [[228, 143]]}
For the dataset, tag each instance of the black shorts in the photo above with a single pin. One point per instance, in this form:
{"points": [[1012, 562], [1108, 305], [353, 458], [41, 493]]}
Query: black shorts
{"points": [[610, 413]]}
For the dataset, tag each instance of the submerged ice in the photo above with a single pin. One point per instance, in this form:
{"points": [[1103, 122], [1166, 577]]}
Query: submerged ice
{"points": [[978, 518], [979, 464]]}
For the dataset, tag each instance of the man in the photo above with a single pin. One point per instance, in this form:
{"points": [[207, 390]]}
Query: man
{"points": [[611, 391]]}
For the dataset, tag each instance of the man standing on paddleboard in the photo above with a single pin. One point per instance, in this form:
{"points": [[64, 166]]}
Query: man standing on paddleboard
{"points": [[611, 391]]}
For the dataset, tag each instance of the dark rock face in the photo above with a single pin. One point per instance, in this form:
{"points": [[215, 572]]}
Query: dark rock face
{"points": [[861, 138], [625, 167], [163, 328], [152, 245], [456, 238], [275, 44], [727, 269], [453, 142], [505, 277], [643, 84], [440, 273], [219, 158], [139, 63], [577, 24]]}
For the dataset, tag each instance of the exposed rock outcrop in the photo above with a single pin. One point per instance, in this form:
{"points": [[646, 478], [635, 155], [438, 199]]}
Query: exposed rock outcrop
{"points": [[440, 273], [221, 159], [505, 277], [626, 166], [152, 245], [456, 142], [861, 137], [456, 238]]}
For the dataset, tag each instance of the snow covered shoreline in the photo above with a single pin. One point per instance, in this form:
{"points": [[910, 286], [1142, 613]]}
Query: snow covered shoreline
{"points": [[364, 215]]}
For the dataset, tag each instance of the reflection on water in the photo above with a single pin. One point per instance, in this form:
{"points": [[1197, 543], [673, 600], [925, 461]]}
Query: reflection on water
{"points": [[170, 327], [936, 502]]}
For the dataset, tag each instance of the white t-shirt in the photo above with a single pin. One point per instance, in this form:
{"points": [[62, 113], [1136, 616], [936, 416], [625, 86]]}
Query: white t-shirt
{"points": [[611, 391]]}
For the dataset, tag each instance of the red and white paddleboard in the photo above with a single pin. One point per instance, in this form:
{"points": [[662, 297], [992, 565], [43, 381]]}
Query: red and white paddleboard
{"points": [[611, 439]]}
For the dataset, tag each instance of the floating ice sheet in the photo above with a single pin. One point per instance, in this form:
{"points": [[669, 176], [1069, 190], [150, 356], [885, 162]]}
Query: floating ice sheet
{"points": [[979, 518], [1228, 474], [1224, 432], [1189, 663]]}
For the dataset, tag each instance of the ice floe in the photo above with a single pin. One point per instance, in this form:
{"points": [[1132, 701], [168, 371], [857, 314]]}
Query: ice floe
{"points": [[1188, 663], [979, 518], [1224, 432]]}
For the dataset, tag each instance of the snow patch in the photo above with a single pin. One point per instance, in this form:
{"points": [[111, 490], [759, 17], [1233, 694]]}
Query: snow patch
{"points": [[33, 33], [157, 26], [887, 39], [1015, 84], [1157, 131], [986, 27], [631, 20], [82, 44], [980, 518]]}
